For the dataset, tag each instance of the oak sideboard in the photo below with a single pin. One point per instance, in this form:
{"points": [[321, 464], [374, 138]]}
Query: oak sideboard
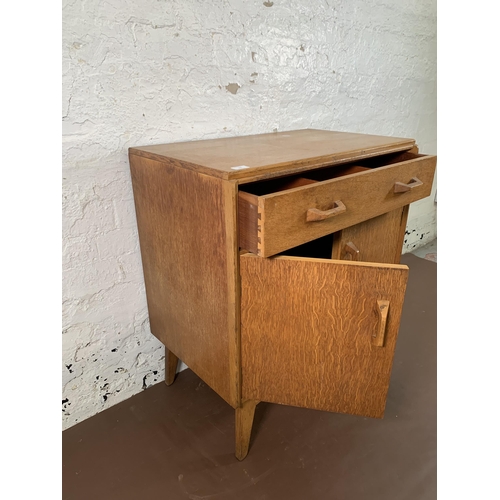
{"points": [[271, 264]]}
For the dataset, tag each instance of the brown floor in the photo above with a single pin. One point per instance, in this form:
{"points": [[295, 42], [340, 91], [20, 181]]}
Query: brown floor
{"points": [[178, 442]]}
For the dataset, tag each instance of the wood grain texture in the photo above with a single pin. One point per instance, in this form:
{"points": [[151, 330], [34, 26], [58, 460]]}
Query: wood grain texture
{"points": [[378, 240], [243, 427], [187, 233], [306, 332], [269, 155], [283, 216]]}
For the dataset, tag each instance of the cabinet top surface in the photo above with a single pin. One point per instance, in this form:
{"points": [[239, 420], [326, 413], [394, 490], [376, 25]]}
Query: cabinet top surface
{"points": [[251, 157]]}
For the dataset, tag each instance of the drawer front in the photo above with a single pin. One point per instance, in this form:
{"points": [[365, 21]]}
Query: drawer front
{"points": [[319, 333], [282, 220]]}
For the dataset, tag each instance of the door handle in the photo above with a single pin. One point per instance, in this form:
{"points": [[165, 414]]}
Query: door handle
{"points": [[351, 249], [378, 338]]}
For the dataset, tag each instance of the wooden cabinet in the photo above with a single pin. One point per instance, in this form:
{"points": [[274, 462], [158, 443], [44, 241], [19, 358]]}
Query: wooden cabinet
{"points": [[271, 264]]}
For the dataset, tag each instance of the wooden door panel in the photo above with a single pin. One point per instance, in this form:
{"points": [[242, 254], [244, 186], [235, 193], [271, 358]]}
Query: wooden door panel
{"points": [[310, 329], [378, 240]]}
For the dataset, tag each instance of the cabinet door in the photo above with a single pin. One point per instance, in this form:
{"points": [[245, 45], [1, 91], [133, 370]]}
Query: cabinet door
{"points": [[319, 333]]}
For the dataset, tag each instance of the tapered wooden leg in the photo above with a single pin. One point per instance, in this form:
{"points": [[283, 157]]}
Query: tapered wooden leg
{"points": [[244, 421], [171, 361]]}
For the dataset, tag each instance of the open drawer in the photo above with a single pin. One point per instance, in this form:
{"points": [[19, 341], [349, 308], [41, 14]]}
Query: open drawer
{"points": [[279, 214], [319, 333]]}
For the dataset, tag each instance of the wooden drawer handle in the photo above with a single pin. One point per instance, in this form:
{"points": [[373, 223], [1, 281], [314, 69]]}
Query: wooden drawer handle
{"points": [[401, 187], [352, 250], [314, 214], [378, 337]]}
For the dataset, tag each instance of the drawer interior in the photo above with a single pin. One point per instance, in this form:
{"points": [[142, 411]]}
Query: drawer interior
{"points": [[320, 248], [261, 188]]}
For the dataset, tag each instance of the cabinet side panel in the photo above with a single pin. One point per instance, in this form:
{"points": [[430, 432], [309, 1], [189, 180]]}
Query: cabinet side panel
{"points": [[182, 219]]}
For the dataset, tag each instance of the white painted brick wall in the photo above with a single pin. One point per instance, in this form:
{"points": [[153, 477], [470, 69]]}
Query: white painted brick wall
{"points": [[139, 72]]}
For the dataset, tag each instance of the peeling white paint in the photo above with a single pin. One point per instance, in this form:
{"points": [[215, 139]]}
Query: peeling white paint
{"points": [[154, 71]]}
